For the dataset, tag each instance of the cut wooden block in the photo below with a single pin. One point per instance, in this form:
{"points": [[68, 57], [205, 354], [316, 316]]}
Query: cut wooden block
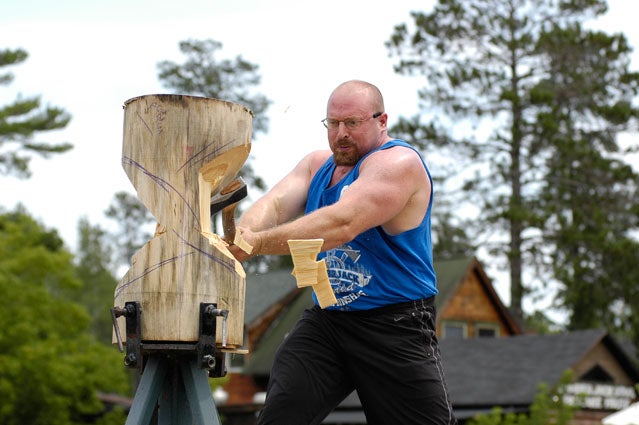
{"points": [[239, 241], [178, 151], [304, 253], [310, 272]]}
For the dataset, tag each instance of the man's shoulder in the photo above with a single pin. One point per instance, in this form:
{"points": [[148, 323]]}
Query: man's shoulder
{"points": [[318, 158], [398, 145], [392, 151]]}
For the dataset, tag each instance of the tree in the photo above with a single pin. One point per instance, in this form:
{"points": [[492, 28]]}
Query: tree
{"points": [[450, 239], [51, 369], [451, 231], [539, 323], [234, 81], [484, 62], [93, 267], [21, 121], [589, 196], [131, 217]]}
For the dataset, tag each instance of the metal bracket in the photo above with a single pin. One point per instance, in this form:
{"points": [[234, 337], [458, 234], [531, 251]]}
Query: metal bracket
{"points": [[173, 384], [133, 356], [208, 357], [132, 313]]}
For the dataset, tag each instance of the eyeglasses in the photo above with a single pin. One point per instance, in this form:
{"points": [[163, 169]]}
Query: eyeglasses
{"points": [[349, 123]]}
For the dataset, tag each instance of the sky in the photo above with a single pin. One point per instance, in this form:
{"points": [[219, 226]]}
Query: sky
{"points": [[90, 56]]}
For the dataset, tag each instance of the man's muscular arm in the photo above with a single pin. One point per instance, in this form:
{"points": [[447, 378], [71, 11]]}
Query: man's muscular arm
{"points": [[385, 194], [287, 199]]}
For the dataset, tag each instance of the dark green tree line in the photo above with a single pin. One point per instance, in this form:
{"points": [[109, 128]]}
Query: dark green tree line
{"points": [[95, 268], [55, 358], [52, 369]]}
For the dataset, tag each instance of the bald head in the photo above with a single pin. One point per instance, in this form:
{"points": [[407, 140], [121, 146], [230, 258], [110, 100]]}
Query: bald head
{"points": [[362, 90]]}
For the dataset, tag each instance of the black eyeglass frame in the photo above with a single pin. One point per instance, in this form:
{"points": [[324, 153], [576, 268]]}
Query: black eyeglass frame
{"points": [[357, 122]]}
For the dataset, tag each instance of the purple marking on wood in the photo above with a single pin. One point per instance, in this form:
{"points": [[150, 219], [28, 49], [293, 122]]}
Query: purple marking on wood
{"points": [[148, 270], [163, 184], [227, 264]]}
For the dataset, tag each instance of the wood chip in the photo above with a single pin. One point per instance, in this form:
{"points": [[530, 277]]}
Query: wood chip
{"points": [[310, 272]]}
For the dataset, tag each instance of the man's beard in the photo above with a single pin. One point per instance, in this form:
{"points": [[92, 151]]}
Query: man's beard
{"points": [[348, 158]]}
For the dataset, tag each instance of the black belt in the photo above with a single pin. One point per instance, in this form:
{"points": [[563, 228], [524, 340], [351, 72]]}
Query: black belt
{"points": [[391, 308]]}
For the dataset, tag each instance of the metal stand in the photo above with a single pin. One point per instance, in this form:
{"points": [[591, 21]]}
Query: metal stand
{"points": [[178, 388], [174, 384]]}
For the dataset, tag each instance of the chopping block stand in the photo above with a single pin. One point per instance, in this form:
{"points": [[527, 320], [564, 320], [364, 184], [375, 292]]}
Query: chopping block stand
{"points": [[174, 387]]}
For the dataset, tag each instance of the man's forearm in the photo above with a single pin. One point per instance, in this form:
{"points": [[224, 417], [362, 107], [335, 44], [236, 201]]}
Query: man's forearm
{"points": [[259, 216], [322, 224]]}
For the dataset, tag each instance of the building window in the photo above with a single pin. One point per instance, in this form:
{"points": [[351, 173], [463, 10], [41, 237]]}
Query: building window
{"points": [[486, 330], [455, 330]]}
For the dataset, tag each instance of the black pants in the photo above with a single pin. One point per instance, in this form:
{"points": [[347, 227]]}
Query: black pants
{"points": [[389, 355]]}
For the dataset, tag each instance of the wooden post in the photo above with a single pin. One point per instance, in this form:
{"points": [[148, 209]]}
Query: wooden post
{"points": [[178, 151]]}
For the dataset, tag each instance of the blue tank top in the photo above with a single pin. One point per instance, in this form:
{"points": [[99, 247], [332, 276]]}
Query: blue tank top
{"points": [[375, 269]]}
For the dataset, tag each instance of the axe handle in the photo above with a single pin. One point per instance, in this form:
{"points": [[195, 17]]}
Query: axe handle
{"points": [[228, 222]]}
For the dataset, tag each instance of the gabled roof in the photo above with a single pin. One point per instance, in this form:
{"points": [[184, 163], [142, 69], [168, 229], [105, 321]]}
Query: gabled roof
{"points": [[449, 273], [506, 371], [480, 372], [265, 289]]}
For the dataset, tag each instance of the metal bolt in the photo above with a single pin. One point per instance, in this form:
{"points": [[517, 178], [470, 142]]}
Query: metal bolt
{"points": [[208, 361], [130, 360]]}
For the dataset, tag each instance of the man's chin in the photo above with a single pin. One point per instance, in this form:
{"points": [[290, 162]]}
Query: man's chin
{"points": [[345, 160]]}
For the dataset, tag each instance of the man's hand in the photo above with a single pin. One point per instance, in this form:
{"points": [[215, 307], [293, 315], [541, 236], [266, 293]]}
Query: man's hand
{"points": [[249, 237]]}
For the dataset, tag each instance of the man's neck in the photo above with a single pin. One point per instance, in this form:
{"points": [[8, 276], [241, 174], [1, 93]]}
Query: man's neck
{"points": [[339, 173]]}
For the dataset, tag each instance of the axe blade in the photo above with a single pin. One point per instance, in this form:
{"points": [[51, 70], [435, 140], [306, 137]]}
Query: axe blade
{"points": [[231, 194]]}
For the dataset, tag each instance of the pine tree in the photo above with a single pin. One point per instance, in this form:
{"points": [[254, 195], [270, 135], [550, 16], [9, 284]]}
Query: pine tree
{"points": [[488, 67], [20, 123]]}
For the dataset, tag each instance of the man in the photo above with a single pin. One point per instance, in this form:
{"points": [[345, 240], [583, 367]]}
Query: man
{"points": [[369, 198]]}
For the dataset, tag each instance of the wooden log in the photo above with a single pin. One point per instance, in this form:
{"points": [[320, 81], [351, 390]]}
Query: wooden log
{"points": [[178, 151], [309, 272]]}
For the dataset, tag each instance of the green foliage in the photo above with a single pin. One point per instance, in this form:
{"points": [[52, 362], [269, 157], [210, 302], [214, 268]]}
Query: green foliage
{"points": [[51, 369], [96, 295], [42, 260], [537, 322], [450, 239], [21, 120], [547, 409]]}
